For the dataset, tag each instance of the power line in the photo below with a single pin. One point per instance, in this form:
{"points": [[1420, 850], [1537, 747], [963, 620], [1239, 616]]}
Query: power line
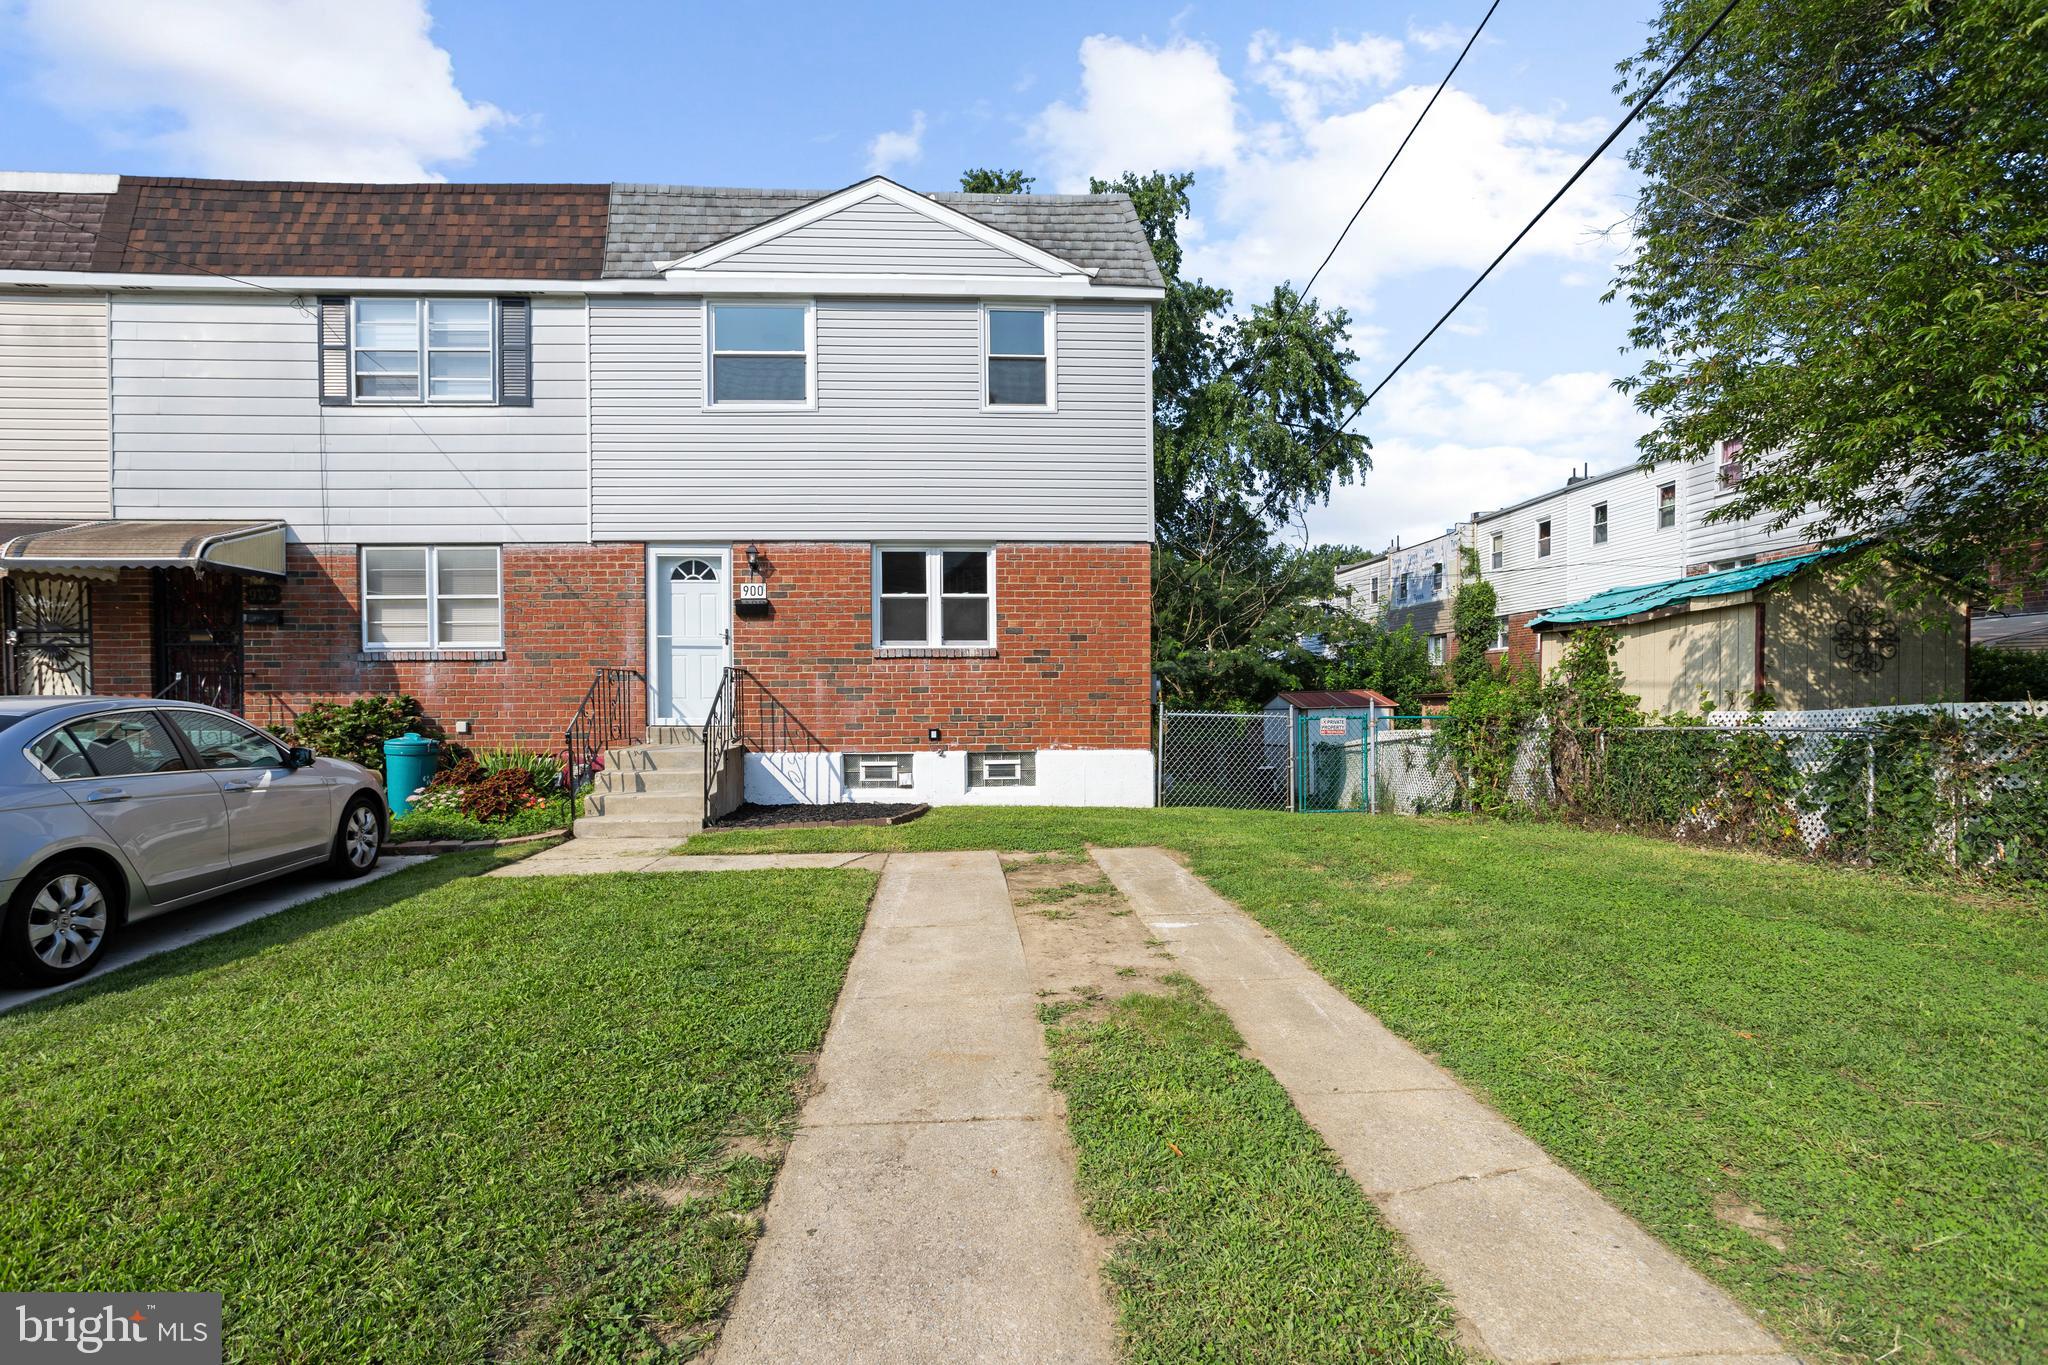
{"points": [[1634, 111], [1309, 288]]}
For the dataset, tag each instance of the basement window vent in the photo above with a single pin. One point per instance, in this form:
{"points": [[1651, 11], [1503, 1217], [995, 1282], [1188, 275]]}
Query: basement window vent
{"points": [[877, 770], [1002, 770]]}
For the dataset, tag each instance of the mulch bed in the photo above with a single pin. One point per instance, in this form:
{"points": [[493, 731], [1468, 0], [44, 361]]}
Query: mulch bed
{"points": [[751, 816]]}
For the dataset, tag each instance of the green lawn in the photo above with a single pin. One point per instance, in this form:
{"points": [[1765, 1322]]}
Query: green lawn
{"points": [[1238, 1235], [437, 1118], [1828, 1089]]}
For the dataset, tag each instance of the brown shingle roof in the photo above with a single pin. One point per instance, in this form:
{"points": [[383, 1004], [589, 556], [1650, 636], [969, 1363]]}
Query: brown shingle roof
{"points": [[250, 227], [1357, 699], [43, 231]]}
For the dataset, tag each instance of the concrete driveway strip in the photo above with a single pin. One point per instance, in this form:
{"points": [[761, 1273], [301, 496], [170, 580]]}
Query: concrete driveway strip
{"points": [[926, 1210], [1538, 1265]]}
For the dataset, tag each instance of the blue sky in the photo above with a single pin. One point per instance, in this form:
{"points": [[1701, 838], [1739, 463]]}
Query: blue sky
{"points": [[1285, 113]]}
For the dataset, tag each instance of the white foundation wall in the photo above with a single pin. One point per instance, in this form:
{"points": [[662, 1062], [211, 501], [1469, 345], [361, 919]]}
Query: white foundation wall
{"points": [[1066, 777]]}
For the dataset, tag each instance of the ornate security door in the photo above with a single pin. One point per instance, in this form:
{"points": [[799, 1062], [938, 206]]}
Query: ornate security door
{"points": [[49, 635], [199, 637]]}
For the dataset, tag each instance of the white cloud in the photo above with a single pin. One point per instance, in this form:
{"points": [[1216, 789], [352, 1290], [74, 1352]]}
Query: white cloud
{"points": [[1304, 79], [1435, 37], [1280, 189], [1448, 443], [896, 148], [295, 89], [1142, 108]]}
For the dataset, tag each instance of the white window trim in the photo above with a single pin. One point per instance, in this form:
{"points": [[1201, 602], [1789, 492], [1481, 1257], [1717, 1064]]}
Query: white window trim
{"points": [[1545, 538], [1500, 632], [1052, 364], [810, 398], [1599, 521], [934, 565], [433, 601], [1660, 507], [423, 394], [1497, 551], [1439, 649]]}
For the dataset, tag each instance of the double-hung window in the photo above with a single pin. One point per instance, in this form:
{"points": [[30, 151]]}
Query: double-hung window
{"points": [[1543, 539], [424, 350], [1438, 645], [1667, 506], [1019, 359], [432, 597], [1436, 579], [1499, 552], [1599, 523], [761, 354], [1500, 632], [1731, 463], [934, 597]]}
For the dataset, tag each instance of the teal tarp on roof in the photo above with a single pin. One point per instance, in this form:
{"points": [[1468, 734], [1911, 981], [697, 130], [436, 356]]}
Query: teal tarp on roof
{"points": [[1616, 603]]}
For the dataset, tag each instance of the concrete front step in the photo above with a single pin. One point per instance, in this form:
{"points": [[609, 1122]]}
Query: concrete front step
{"points": [[674, 735], [656, 758], [647, 805], [667, 781], [633, 827]]}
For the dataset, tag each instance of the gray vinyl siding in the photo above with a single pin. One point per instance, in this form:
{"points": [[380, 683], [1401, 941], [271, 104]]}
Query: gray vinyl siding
{"points": [[216, 415], [898, 445], [53, 406], [1699, 493], [878, 236]]}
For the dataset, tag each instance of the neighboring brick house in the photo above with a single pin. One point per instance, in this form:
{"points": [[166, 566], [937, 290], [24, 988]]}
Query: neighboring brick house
{"points": [[888, 453]]}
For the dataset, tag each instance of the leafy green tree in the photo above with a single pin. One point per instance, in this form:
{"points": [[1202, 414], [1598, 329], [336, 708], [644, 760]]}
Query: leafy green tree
{"points": [[982, 180], [1475, 614], [1246, 410], [1842, 261], [1393, 662]]}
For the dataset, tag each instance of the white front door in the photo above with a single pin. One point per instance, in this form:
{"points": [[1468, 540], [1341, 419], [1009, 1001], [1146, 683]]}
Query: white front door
{"points": [[691, 641]]}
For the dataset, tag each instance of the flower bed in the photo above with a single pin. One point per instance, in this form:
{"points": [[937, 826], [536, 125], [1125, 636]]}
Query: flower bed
{"points": [[497, 794]]}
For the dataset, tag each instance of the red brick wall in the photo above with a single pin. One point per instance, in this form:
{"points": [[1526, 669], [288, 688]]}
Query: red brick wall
{"points": [[1521, 639], [568, 609], [1072, 665], [123, 662]]}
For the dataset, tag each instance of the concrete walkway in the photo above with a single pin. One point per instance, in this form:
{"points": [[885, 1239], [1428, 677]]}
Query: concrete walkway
{"points": [[926, 1210], [1539, 1266], [585, 857]]}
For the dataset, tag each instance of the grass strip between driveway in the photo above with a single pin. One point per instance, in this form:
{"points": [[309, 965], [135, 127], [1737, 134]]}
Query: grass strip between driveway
{"points": [[1823, 1087], [1237, 1234], [438, 1118]]}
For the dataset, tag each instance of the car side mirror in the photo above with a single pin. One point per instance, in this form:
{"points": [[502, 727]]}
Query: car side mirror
{"points": [[300, 757]]}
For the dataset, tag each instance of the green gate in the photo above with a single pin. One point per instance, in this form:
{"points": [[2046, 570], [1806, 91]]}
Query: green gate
{"points": [[1333, 760]]}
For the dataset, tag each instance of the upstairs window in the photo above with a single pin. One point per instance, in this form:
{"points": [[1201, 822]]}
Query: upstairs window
{"points": [[1019, 357], [761, 354], [1436, 578], [1400, 587], [1543, 539], [934, 597], [1731, 463], [424, 350], [1375, 589], [1499, 550], [1599, 523], [431, 597], [1667, 506]]}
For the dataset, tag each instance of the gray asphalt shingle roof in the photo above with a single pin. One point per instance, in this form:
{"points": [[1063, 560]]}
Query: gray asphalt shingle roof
{"points": [[654, 224]]}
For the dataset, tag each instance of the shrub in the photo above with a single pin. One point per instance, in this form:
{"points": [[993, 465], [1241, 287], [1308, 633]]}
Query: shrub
{"points": [[500, 796], [356, 730], [543, 770], [2008, 674]]}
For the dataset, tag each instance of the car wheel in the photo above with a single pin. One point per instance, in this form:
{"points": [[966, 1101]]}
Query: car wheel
{"points": [[360, 840], [59, 922]]}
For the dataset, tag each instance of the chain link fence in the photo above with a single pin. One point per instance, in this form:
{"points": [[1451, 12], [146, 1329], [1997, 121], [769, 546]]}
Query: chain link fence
{"points": [[1239, 759]]}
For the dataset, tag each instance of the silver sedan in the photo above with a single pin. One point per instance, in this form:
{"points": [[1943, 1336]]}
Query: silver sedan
{"points": [[114, 810]]}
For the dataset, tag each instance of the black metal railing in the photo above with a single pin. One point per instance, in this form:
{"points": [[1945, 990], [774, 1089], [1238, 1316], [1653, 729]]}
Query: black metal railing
{"points": [[612, 714], [218, 690], [721, 731], [747, 714]]}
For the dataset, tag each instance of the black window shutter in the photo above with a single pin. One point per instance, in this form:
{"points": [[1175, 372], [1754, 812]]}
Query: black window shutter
{"points": [[515, 353], [334, 383]]}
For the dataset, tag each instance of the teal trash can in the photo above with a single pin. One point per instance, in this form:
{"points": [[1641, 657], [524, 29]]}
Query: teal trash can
{"points": [[408, 763]]}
